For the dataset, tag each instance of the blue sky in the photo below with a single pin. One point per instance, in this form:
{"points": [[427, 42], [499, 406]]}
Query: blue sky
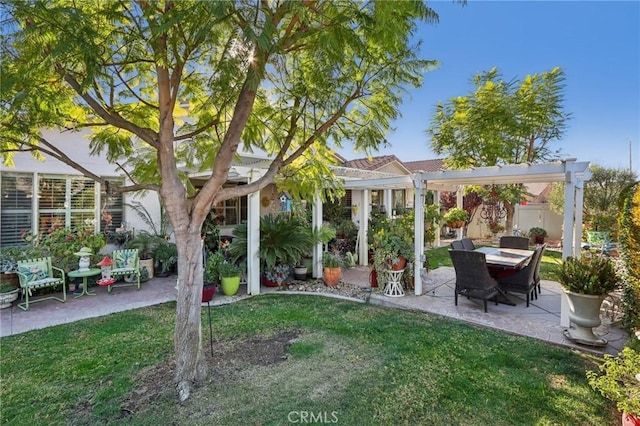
{"points": [[597, 44]]}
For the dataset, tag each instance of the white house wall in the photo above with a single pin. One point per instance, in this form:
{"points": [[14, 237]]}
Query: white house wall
{"points": [[76, 146]]}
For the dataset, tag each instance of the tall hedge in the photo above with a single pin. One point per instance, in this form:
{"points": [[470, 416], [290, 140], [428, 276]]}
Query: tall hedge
{"points": [[629, 221]]}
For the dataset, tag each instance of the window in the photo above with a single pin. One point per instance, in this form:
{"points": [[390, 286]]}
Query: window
{"points": [[231, 212], [68, 201], [16, 203], [398, 198], [65, 201], [111, 210]]}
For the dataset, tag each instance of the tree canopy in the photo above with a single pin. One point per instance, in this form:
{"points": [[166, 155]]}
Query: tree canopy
{"points": [[167, 86], [501, 122]]}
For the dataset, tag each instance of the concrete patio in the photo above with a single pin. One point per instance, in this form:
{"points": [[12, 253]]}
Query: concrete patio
{"points": [[540, 321]]}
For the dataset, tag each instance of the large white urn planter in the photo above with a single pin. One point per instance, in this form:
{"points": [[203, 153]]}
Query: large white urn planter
{"points": [[7, 298], [584, 314]]}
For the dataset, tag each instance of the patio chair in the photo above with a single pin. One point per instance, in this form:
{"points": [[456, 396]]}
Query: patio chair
{"points": [[522, 281], [536, 271], [39, 273], [472, 276], [467, 244], [457, 245], [510, 241], [127, 265]]}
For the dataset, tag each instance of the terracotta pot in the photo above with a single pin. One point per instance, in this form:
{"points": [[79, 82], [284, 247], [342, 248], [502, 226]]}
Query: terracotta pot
{"points": [[630, 420], [332, 276], [456, 224], [400, 265]]}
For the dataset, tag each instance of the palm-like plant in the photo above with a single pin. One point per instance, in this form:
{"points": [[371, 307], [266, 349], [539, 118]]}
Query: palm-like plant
{"points": [[283, 240]]}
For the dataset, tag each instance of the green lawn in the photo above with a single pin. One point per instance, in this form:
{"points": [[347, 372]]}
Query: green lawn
{"points": [[279, 358]]}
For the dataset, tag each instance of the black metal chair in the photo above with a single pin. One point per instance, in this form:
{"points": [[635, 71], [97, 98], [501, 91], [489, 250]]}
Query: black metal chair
{"points": [[457, 245], [522, 281], [467, 244], [472, 276], [510, 241]]}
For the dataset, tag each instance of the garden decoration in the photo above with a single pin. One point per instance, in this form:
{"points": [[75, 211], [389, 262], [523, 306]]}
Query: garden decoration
{"points": [[85, 254], [105, 265]]}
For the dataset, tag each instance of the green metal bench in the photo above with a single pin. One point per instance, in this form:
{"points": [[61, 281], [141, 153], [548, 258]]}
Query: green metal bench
{"points": [[125, 264], [38, 273]]}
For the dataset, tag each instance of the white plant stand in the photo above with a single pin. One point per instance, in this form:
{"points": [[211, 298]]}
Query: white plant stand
{"points": [[394, 286]]}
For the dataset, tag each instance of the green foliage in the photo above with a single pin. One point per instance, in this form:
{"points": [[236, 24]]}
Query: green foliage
{"points": [[62, 243], [228, 269], [589, 274], [630, 244], [10, 255], [541, 232], [212, 267], [332, 259], [165, 256], [284, 239], [455, 215], [501, 122], [162, 229], [7, 288], [618, 379], [145, 243], [432, 220]]}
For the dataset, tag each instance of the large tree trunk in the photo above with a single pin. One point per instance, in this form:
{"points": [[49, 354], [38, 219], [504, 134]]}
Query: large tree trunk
{"points": [[510, 209], [190, 363]]}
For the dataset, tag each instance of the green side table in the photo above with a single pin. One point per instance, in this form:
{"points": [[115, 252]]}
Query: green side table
{"points": [[84, 275]]}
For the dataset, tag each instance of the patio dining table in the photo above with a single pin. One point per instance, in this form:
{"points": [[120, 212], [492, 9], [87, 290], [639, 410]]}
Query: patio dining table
{"points": [[500, 260], [506, 258]]}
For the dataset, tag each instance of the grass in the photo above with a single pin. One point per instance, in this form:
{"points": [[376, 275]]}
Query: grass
{"points": [[549, 266], [344, 361]]}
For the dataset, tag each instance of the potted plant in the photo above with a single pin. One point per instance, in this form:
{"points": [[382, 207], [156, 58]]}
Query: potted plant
{"points": [[332, 271], [392, 250], [9, 257], [537, 235], [8, 293], [587, 280], [618, 379], [211, 275], [283, 241], [455, 217], [165, 256], [229, 277], [146, 244]]}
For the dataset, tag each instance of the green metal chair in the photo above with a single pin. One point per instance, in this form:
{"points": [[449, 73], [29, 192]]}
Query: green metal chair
{"points": [[38, 273], [126, 263]]}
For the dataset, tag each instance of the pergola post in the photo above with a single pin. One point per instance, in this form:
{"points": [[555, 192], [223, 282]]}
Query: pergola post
{"points": [[387, 203], [253, 237], [316, 223], [459, 204], [577, 247], [569, 205], [437, 203], [363, 229], [418, 226]]}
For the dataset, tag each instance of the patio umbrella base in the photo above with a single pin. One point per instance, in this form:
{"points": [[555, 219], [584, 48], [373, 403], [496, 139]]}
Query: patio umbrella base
{"points": [[583, 337]]}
